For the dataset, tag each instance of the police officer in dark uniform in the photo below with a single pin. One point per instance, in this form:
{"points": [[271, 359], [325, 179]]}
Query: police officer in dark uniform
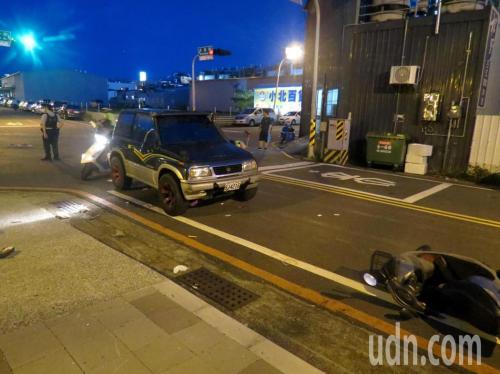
{"points": [[50, 126]]}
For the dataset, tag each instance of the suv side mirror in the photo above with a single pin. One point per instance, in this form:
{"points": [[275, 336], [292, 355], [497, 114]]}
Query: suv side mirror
{"points": [[151, 141]]}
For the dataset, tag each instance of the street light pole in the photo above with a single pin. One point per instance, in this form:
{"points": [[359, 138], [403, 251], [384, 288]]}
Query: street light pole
{"points": [[193, 84], [314, 98], [278, 83]]}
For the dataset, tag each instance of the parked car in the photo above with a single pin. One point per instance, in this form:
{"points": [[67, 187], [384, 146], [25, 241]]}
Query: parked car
{"points": [[25, 105], [290, 118], [182, 155], [68, 111], [57, 105], [253, 116], [13, 104]]}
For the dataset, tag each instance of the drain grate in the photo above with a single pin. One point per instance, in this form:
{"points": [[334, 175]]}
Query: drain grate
{"points": [[68, 208], [216, 288]]}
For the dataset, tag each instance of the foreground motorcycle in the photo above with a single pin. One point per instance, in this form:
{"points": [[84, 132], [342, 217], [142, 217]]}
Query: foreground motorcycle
{"points": [[95, 159], [427, 282]]}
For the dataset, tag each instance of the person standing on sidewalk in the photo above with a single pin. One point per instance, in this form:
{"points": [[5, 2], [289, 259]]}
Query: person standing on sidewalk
{"points": [[50, 125], [265, 129]]}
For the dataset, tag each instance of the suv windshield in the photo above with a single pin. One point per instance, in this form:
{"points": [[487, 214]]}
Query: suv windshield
{"points": [[188, 129], [290, 114], [248, 111]]}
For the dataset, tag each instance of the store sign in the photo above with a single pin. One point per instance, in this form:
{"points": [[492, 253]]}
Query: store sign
{"points": [[289, 98], [487, 58], [5, 38]]}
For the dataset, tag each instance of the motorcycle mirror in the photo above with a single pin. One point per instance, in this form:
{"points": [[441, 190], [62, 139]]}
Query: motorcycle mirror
{"points": [[370, 279]]}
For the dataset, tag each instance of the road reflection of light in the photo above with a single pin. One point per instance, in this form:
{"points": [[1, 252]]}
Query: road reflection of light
{"points": [[23, 218]]}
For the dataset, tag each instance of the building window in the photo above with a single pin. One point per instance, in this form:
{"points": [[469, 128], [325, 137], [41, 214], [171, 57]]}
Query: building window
{"points": [[332, 100]]}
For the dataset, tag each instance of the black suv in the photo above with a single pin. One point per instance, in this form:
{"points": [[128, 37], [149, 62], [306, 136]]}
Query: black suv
{"points": [[182, 155]]}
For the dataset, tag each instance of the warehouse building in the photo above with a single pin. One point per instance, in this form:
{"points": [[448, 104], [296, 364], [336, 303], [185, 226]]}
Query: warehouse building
{"points": [[224, 95], [62, 85], [399, 67]]}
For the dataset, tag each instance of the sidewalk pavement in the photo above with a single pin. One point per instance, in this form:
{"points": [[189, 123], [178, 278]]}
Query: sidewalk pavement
{"points": [[89, 309]]}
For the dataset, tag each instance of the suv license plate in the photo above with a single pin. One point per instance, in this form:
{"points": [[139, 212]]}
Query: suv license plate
{"points": [[233, 186]]}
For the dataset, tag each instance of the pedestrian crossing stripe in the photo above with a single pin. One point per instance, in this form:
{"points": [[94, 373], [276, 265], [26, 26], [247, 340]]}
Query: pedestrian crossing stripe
{"points": [[312, 134], [336, 157]]}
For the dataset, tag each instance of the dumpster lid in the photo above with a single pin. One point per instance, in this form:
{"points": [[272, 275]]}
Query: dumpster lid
{"points": [[386, 135]]}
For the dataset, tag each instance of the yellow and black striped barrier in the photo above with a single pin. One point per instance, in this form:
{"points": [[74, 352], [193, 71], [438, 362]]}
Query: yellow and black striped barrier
{"points": [[333, 156], [336, 157], [312, 134]]}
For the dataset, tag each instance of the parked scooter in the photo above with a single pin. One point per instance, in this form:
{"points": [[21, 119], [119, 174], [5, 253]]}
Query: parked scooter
{"points": [[287, 134], [95, 159], [426, 282]]}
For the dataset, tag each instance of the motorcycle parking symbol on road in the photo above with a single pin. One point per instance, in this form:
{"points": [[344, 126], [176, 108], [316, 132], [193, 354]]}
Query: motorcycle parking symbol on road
{"points": [[358, 179]]}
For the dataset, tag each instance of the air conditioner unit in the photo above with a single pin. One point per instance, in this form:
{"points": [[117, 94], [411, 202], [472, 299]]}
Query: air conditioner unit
{"points": [[404, 74]]}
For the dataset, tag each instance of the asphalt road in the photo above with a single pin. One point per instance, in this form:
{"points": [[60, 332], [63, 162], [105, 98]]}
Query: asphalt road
{"points": [[326, 220]]}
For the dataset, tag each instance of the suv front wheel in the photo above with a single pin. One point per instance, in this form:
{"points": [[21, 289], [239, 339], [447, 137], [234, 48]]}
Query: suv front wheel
{"points": [[171, 198], [246, 194], [118, 175]]}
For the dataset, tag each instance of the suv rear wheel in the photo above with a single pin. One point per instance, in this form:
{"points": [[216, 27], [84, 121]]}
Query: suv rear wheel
{"points": [[118, 175], [171, 198]]}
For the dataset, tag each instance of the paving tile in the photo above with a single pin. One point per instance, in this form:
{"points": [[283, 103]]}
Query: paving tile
{"points": [[151, 303], [138, 333], [118, 316], [4, 365], [260, 367], [126, 364], [180, 295], [229, 326], [192, 366], [199, 337], [163, 353], [137, 294], [282, 359], [96, 351], [55, 362], [28, 344], [228, 357], [174, 319], [74, 327]]}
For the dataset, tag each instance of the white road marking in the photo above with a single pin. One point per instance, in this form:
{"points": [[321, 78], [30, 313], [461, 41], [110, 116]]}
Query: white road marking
{"points": [[285, 166], [344, 281], [334, 186], [264, 250], [317, 164], [431, 191]]}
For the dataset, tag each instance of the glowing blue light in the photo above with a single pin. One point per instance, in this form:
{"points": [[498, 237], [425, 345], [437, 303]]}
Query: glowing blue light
{"points": [[29, 42]]}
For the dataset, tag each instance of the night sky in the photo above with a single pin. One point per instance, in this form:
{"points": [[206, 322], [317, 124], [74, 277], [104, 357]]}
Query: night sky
{"points": [[117, 39]]}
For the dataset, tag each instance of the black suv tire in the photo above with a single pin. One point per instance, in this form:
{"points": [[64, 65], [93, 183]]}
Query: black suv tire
{"points": [[245, 195], [118, 175], [171, 198]]}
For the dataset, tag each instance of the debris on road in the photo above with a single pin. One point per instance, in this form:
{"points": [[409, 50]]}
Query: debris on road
{"points": [[4, 252], [180, 268], [227, 215], [118, 234]]}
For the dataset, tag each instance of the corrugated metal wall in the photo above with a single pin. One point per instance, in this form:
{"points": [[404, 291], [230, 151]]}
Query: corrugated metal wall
{"points": [[369, 52], [485, 150]]}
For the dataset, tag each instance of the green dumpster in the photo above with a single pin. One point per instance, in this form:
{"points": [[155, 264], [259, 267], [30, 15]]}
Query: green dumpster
{"points": [[385, 149]]}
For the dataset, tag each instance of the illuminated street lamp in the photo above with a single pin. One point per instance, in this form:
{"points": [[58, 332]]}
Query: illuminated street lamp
{"points": [[293, 53], [29, 42]]}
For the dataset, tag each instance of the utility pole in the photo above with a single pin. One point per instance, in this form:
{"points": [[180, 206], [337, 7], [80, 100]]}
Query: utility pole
{"points": [[310, 153]]}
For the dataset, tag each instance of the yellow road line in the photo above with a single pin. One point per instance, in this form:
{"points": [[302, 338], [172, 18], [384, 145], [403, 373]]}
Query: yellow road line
{"points": [[293, 288], [382, 200]]}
